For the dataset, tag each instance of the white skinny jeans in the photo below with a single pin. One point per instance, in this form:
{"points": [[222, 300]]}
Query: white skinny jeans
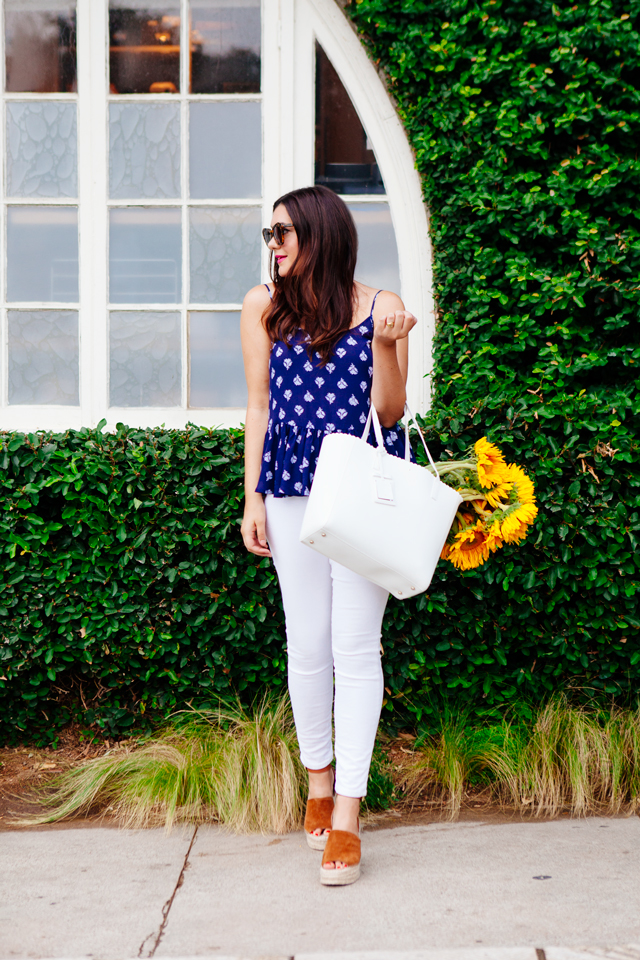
{"points": [[333, 621]]}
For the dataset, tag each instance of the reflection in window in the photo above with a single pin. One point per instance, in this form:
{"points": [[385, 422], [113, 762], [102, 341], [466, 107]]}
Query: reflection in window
{"points": [[40, 44], [145, 366], [42, 254], [225, 150], [42, 149], [345, 161], [225, 46], [377, 250], [216, 371], [145, 255], [225, 247], [144, 47], [43, 356], [144, 150]]}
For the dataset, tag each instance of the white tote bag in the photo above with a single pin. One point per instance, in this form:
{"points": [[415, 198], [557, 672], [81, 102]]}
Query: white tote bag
{"points": [[385, 518]]}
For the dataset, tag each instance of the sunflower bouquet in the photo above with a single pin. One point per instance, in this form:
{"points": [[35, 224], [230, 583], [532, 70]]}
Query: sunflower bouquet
{"points": [[498, 504]]}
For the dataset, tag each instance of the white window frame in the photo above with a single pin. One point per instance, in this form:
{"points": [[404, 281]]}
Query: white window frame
{"points": [[290, 29]]}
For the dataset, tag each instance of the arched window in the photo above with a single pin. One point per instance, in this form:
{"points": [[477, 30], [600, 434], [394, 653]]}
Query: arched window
{"points": [[143, 145]]}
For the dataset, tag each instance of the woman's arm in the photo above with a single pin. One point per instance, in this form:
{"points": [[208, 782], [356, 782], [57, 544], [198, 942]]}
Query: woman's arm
{"points": [[391, 326], [256, 347]]}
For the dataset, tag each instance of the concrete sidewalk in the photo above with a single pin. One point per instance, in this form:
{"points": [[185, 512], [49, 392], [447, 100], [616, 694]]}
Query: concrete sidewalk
{"points": [[466, 891]]}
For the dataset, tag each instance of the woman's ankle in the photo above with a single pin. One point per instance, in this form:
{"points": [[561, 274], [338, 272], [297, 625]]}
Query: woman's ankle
{"points": [[320, 783], [346, 813]]}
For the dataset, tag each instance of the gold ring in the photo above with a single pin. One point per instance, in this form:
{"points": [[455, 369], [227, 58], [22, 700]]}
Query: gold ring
{"points": [[390, 323]]}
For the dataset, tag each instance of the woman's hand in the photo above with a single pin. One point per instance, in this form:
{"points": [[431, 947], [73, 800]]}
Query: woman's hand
{"points": [[253, 528], [394, 326]]}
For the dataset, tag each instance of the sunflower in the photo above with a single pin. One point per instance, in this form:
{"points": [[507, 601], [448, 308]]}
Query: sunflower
{"points": [[523, 511], [498, 494], [491, 465], [472, 546]]}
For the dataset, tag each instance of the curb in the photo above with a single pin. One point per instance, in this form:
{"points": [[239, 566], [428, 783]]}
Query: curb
{"points": [[623, 952]]}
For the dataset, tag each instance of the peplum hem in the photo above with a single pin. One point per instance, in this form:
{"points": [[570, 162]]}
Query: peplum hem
{"points": [[289, 458], [290, 454]]}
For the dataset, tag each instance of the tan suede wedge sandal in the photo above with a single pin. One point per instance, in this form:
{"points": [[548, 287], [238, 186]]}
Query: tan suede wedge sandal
{"points": [[318, 817], [345, 847]]}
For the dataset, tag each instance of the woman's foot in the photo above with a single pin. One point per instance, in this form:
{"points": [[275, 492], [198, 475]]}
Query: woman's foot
{"points": [[345, 817], [317, 821]]}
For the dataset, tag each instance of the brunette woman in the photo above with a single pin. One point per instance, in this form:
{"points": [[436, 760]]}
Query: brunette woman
{"points": [[318, 348]]}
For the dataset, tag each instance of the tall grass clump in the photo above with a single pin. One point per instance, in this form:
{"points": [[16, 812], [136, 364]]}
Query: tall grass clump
{"points": [[227, 765], [575, 758]]}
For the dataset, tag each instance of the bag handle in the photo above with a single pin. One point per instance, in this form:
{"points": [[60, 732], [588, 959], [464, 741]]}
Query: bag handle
{"points": [[373, 416], [409, 417], [407, 446]]}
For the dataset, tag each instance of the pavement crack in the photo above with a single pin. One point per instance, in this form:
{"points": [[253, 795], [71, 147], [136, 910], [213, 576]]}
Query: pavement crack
{"points": [[167, 907]]}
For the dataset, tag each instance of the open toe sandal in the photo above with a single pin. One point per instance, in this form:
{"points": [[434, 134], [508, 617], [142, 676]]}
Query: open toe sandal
{"points": [[345, 847], [318, 817]]}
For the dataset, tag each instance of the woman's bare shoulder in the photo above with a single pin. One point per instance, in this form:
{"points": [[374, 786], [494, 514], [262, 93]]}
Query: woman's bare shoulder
{"points": [[258, 296], [386, 300]]}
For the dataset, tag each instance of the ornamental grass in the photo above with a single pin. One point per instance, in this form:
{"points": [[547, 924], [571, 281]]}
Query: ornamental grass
{"points": [[229, 766], [567, 758], [242, 769]]}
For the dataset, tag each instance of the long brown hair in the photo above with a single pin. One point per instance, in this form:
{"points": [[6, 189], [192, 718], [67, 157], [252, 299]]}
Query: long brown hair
{"points": [[317, 294]]}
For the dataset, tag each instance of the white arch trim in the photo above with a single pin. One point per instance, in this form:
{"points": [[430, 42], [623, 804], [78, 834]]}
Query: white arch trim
{"points": [[324, 20]]}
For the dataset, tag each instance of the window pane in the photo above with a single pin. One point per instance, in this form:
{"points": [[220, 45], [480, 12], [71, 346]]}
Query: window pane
{"points": [[377, 251], [145, 365], [225, 46], [42, 150], [216, 371], [43, 356], [144, 50], [145, 255], [345, 161], [225, 247], [226, 150], [40, 46], [144, 154], [42, 253]]}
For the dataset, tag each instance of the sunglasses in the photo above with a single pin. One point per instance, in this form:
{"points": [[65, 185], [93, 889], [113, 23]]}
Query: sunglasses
{"points": [[277, 232]]}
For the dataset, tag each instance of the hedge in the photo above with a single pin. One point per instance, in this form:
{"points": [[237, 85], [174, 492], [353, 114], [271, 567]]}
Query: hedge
{"points": [[125, 591]]}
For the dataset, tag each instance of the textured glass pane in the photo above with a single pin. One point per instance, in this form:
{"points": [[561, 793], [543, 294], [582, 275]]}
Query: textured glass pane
{"points": [[216, 371], [144, 155], [40, 44], [43, 356], [345, 161], [42, 150], [144, 47], [225, 150], [144, 360], [225, 247], [145, 255], [377, 250], [42, 253], [225, 46]]}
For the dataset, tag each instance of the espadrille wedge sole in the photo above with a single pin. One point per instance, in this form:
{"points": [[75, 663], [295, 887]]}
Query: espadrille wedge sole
{"points": [[339, 878], [318, 817], [344, 847], [317, 842]]}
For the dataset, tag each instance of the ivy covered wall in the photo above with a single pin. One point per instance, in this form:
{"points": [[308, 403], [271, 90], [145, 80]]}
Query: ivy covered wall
{"points": [[124, 588]]}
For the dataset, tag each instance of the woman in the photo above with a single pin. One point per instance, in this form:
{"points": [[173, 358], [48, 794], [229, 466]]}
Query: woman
{"points": [[318, 346]]}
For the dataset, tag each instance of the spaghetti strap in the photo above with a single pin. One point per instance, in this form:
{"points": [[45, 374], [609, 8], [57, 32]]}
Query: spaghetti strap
{"points": [[271, 298], [373, 305]]}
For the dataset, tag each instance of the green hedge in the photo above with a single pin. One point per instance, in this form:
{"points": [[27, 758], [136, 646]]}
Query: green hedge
{"points": [[125, 590]]}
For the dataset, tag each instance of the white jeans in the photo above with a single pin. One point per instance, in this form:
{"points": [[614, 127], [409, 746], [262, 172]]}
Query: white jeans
{"points": [[333, 619]]}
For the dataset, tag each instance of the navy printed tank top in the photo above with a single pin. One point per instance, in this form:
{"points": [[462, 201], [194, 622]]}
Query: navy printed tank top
{"points": [[308, 401]]}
